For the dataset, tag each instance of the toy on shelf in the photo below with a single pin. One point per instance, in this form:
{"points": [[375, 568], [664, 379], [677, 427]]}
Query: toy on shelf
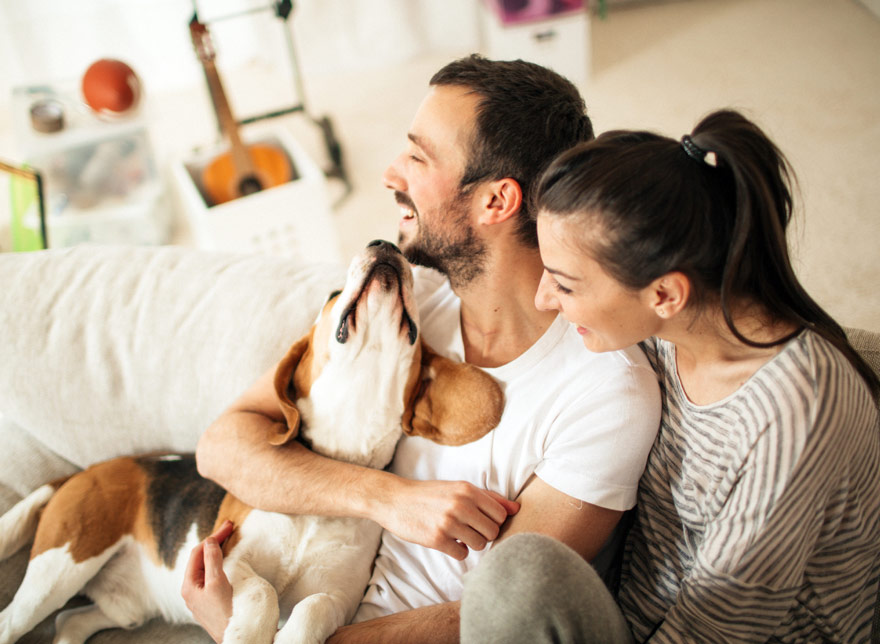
{"points": [[111, 87]]}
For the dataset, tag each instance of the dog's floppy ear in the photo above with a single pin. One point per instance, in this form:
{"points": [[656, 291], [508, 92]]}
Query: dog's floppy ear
{"points": [[452, 403], [286, 390]]}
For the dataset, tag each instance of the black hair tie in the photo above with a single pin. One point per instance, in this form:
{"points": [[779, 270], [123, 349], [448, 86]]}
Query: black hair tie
{"points": [[697, 153]]}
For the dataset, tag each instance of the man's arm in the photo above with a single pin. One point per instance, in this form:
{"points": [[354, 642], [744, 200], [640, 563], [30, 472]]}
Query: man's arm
{"points": [[436, 624], [582, 526], [235, 452]]}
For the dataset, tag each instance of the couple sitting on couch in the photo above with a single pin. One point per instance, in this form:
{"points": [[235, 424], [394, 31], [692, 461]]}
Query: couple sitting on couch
{"points": [[757, 506]]}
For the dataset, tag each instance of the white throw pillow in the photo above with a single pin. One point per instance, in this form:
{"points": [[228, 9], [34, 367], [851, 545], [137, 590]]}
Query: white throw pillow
{"points": [[124, 350]]}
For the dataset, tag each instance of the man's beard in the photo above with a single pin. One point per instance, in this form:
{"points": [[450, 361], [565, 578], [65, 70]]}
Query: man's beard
{"points": [[458, 254]]}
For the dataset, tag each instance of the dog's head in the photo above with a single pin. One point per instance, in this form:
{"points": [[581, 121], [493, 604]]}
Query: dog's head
{"points": [[363, 373]]}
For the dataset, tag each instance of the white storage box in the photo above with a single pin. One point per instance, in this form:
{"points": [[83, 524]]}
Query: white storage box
{"points": [[100, 178], [293, 218], [561, 42]]}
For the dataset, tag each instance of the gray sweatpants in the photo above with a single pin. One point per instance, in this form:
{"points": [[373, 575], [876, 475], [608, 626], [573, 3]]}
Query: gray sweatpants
{"points": [[532, 589]]}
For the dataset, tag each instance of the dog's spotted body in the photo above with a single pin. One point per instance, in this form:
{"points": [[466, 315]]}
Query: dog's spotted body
{"points": [[121, 531]]}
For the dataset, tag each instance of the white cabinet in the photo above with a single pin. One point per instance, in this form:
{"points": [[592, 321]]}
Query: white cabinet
{"points": [[560, 42]]}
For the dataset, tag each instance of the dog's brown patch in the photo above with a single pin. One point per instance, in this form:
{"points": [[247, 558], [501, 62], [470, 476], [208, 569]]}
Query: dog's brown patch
{"points": [[92, 510], [235, 511], [176, 499], [287, 391], [454, 402]]}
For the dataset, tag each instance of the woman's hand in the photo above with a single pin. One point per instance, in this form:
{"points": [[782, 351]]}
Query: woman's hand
{"points": [[206, 590]]}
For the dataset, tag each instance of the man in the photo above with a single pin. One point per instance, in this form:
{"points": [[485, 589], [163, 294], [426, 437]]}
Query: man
{"points": [[577, 426]]}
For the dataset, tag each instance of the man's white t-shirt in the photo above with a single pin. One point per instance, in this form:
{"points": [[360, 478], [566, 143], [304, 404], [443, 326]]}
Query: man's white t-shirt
{"points": [[583, 422]]}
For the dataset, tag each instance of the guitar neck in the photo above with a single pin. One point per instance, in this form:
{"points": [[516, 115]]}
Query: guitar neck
{"points": [[228, 125]]}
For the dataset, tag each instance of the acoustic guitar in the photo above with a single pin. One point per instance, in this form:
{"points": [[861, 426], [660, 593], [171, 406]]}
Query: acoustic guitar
{"points": [[244, 169]]}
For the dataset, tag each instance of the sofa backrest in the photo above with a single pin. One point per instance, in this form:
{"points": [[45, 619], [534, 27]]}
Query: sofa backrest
{"points": [[108, 350]]}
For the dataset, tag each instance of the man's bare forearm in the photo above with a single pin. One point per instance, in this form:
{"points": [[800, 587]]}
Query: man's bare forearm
{"points": [[448, 516], [235, 453], [429, 625]]}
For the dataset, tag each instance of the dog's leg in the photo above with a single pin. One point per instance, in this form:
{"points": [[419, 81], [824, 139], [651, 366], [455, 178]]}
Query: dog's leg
{"points": [[254, 608], [76, 625], [314, 619], [52, 577], [121, 592]]}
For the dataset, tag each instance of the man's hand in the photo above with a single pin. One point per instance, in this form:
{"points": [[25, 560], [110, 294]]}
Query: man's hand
{"points": [[450, 516], [206, 590]]}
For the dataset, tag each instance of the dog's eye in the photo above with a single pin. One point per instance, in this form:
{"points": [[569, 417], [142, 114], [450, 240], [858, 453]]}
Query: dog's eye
{"points": [[332, 295]]}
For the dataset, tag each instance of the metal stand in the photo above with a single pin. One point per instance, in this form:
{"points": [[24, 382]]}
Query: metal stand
{"points": [[282, 10]]}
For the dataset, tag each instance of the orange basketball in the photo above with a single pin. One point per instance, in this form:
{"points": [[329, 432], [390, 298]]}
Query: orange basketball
{"points": [[110, 86]]}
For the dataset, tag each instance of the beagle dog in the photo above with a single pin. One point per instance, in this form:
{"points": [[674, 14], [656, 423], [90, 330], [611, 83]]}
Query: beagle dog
{"points": [[121, 531]]}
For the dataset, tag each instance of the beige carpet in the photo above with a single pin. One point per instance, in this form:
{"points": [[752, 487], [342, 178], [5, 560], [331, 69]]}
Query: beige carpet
{"points": [[808, 71]]}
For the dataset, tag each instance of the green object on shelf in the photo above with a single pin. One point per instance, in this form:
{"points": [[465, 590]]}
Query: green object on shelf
{"points": [[26, 227], [603, 8]]}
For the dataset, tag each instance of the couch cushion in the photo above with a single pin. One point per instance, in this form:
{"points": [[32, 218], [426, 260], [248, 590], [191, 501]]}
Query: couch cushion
{"points": [[25, 464], [121, 350], [867, 344]]}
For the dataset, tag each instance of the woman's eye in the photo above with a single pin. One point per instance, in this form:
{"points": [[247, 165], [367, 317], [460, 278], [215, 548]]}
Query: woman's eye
{"points": [[559, 287], [413, 157]]}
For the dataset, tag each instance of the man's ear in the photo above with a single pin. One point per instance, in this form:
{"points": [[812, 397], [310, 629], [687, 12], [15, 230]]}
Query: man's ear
{"points": [[453, 403], [669, 294], [285, 388], [500, 200]]}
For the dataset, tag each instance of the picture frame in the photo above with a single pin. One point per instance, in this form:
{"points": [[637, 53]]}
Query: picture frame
{"points": [[22, 209]]}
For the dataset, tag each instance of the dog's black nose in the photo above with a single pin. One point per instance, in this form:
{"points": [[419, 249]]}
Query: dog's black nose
{"points": [[387, 245]]}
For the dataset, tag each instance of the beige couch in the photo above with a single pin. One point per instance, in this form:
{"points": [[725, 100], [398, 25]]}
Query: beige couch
{"points": [[108, 351]]}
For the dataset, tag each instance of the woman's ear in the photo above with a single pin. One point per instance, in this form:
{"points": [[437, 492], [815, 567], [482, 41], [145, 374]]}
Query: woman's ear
{"points": [[285, 389], [501, 200], [453, 403], [669, 294]]}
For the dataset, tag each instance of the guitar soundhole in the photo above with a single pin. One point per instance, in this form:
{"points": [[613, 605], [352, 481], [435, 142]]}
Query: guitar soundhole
{"points": [[248, 186]]}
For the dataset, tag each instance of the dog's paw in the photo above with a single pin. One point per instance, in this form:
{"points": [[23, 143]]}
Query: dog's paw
{"points": [[313, 620], [76, 625]]}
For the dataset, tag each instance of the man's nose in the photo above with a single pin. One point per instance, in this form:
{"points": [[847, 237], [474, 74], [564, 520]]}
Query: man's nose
{"points": [[392, 179]]}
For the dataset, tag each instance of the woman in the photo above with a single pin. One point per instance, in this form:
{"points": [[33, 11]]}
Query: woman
{"points": [[758, 512]]}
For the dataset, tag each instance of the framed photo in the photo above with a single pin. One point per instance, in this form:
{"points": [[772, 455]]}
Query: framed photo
{"points": [[22, 210]]}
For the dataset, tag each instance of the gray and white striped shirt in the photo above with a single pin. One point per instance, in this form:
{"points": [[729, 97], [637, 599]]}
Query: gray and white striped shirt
{"points": [[759, 515]]}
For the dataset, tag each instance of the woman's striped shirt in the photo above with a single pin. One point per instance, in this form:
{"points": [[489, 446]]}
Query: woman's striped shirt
{"points": [[759, 515]]}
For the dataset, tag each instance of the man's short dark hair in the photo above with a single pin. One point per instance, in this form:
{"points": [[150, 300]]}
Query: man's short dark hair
{"points": [[527, 115]]}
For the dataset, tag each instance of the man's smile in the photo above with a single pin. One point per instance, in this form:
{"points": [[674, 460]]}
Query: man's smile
{"points": [[407, 207]]}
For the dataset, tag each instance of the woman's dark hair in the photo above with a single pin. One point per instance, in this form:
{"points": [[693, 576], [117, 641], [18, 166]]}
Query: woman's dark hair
{"points": [[714, 206], [527, 114]]}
